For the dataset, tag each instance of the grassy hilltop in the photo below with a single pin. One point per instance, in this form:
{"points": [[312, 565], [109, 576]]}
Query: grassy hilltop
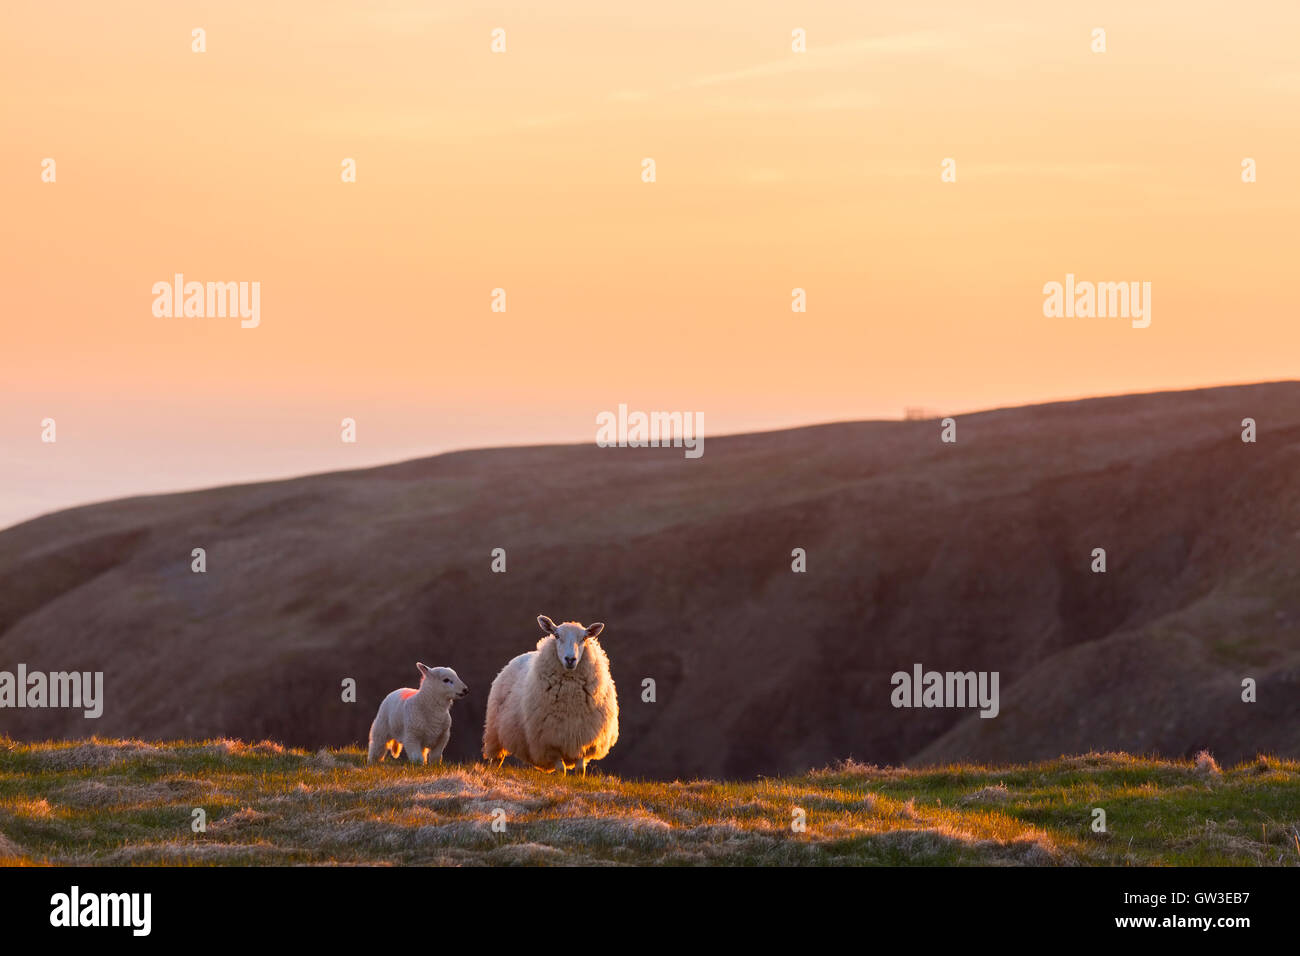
{"points": [[131, 802]]}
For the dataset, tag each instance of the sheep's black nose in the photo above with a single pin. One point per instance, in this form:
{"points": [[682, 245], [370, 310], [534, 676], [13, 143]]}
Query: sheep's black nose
{"points": [[570, 661]]}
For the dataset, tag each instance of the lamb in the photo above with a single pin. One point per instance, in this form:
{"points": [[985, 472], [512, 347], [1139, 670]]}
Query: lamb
{"points": [[418, 721], [555, 707]]}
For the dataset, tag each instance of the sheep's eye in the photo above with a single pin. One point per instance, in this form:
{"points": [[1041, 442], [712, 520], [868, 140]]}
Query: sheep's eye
{"points": [[446, 680]]}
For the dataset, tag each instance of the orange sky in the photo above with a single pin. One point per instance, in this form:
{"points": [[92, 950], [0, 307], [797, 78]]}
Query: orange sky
{"points": [[522, 170]]}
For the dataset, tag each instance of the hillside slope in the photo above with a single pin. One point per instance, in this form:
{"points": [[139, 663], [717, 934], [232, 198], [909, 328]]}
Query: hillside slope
{"points": [[973, 556]]}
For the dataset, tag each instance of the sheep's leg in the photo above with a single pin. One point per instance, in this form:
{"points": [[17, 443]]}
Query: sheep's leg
{"points": [[415, 753], [492, 749], [395, 749], [559, 765], [582, 765]]}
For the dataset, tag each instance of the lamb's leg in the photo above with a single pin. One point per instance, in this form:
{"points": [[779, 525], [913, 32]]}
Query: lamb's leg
{"points": [[414, 752], [435, 752], [395, 749], [559, 766], [582, 765]]}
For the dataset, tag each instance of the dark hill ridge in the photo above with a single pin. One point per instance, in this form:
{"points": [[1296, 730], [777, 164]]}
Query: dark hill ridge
{"points": [[972, 556]]}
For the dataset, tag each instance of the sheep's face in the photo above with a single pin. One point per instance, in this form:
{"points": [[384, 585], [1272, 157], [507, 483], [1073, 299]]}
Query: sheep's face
{"points": [[442, 681], [570, 639]]}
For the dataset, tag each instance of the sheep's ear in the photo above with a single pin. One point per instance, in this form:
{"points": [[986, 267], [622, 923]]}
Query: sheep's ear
{"points": [[595, 629], [546, 624], [423, 668]]}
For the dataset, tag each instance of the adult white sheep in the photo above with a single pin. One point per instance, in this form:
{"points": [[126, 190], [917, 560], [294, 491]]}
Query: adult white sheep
{"points": [[554, 707], [418, 721]]}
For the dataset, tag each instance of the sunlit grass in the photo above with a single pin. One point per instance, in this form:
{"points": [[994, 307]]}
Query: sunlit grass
{"points": [[132, 802]]}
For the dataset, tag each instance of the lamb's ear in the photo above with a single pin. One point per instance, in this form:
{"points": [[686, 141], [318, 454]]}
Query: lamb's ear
{"points": [[546, 624], [423, 668], [595, 629]]}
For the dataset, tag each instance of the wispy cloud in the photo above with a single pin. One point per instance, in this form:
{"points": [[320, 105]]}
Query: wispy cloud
{"points": [[1027, 170], [1285, 82], [830, 101], [836, 55], [552, 119], [402, 16]]}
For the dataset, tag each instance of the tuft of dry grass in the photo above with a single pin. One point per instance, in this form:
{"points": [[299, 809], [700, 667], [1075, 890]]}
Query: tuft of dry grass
{"points": [[1206, 764], [10, 852], [997, 793]]}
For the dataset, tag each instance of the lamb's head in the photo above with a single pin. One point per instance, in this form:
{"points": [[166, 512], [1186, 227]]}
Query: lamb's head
{"points": [[442, 682], [570, 639]]}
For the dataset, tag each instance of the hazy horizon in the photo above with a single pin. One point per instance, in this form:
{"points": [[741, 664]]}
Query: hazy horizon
{"points": [[328, 454]]}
